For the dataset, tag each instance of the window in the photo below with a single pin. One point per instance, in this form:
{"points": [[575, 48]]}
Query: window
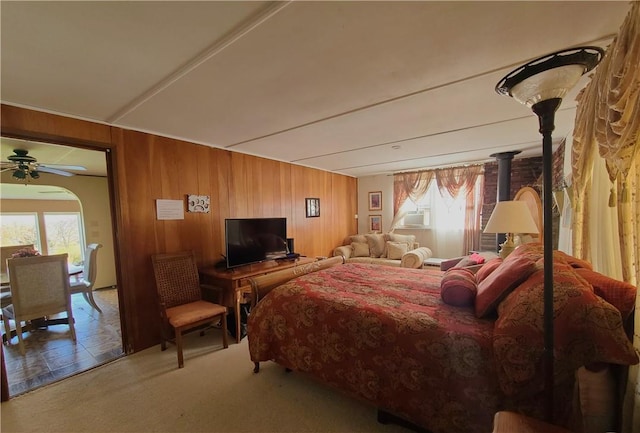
{"points": [[64, 235], [49, 232], [436, 212], [419, 215], [19, 229]]}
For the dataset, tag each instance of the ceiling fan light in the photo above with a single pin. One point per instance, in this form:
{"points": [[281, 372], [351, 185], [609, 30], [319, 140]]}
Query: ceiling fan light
{"points": [[19, 174], [35, 174]]}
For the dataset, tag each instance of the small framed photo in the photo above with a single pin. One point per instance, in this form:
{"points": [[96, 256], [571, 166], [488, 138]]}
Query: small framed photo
{"points": [[312, 207], [375, 223], [375, 200]]}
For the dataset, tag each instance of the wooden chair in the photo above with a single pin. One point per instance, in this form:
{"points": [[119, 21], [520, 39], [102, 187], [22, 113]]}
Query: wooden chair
{"points": [[6, 253], [180, 299], [39, 289], [85, 284]]}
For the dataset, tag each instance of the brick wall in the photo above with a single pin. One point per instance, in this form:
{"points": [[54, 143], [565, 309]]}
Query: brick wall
{"points": [[524, 172]]}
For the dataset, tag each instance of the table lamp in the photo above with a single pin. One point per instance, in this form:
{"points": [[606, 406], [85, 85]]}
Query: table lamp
{"points": [[510, 217]]}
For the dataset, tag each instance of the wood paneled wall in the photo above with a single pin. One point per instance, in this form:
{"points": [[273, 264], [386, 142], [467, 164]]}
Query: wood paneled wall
{"points": [[145, 167]]}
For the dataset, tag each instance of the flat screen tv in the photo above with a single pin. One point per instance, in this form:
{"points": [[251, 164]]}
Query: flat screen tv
{"points": [[253, 240]]}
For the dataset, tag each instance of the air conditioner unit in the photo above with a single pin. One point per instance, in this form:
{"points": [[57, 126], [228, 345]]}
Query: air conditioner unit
{"points": [[414, 219]]}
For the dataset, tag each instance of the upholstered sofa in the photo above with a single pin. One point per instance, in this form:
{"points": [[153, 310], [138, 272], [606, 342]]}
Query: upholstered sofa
{"points": [[387, 249]]}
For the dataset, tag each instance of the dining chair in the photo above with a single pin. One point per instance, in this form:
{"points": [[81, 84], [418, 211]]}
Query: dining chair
{"points": [[85, 284], [7, 251], [180, 302], [39, 289]]}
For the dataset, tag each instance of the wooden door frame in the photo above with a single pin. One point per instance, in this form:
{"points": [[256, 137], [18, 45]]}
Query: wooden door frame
{"points": [[43, 127]]}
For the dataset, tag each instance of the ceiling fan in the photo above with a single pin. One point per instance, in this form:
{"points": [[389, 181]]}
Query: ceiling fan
{"points": [[25, 166]]}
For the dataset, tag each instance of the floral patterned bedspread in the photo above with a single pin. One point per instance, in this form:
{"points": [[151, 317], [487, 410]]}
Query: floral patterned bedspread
{"points": [[383, 334]]}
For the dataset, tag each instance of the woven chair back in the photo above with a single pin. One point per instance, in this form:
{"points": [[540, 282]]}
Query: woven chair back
{"points": [[177, 280]]}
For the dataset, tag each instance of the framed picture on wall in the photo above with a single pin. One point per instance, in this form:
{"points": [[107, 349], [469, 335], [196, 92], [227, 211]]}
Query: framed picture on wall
{"points": [[375, 200], [312, 206], [375, 223]]}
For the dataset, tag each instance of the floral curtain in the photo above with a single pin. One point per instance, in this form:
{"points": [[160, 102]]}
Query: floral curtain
{"points": [[608, 120], [451, 181], [408, 185]]}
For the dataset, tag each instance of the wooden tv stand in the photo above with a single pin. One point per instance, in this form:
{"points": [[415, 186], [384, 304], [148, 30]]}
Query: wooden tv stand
{"points": [[231, 281]]}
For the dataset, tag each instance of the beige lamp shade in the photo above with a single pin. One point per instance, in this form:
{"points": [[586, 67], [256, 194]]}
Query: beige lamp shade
{"points": [[511, 217]]}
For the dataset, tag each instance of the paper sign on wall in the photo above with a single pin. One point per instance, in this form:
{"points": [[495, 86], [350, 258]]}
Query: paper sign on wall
{"points": [[169, 209]]}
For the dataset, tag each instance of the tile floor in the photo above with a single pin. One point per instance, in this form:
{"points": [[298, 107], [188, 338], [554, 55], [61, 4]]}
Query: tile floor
{"points": [[51, 355]]}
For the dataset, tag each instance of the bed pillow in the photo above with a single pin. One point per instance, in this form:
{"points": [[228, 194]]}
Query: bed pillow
{"points": [[487, 268], [620, 294], [395, 250], [359, 249], [376, 244], [458, 287], [506, 277], [574, 261], [587, 330]]}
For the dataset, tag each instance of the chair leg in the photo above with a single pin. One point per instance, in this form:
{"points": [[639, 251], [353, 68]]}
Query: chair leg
{"points": [[7, 328], [88, 296], [72, 326], [19, 332], [179, 347]]}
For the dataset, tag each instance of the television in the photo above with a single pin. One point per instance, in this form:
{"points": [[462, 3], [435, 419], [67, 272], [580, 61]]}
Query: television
{"points": [[253, 240]]}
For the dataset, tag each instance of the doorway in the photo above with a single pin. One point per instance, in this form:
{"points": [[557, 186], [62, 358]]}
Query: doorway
{"points": [[51, 355]]}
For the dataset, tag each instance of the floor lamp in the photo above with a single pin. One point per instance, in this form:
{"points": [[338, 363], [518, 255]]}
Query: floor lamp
{"points": [[541, 84]]}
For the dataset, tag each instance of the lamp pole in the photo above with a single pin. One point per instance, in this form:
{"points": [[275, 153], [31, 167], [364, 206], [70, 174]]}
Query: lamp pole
{"points": [[545, 110]]}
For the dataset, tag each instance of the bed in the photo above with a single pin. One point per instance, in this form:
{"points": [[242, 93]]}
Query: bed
{"points": [[385, 335]]}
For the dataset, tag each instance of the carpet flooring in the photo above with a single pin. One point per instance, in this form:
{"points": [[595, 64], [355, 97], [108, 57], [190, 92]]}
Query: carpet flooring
{"points": [[216, 391]]}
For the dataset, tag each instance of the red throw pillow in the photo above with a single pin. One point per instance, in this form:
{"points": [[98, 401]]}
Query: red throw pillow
{"points": [[574, 261], [458, 287], [493, 289], [487, 268], [477, 258], [620, 294]]}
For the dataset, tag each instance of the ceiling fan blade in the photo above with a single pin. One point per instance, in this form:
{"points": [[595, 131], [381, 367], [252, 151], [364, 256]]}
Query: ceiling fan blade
{"points": [[6, 169], [45, 169], [63, 167]]}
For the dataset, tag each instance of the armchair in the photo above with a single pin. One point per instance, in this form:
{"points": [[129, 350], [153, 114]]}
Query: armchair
{"points": [[39, 288]]}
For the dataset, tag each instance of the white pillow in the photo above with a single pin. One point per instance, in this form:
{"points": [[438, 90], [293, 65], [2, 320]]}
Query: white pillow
{"points": [[376, 244], [360, 249], [395, 250]]}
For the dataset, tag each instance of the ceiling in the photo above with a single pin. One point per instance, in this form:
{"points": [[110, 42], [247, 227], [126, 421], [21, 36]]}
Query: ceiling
{"points": [[358, 88]]}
